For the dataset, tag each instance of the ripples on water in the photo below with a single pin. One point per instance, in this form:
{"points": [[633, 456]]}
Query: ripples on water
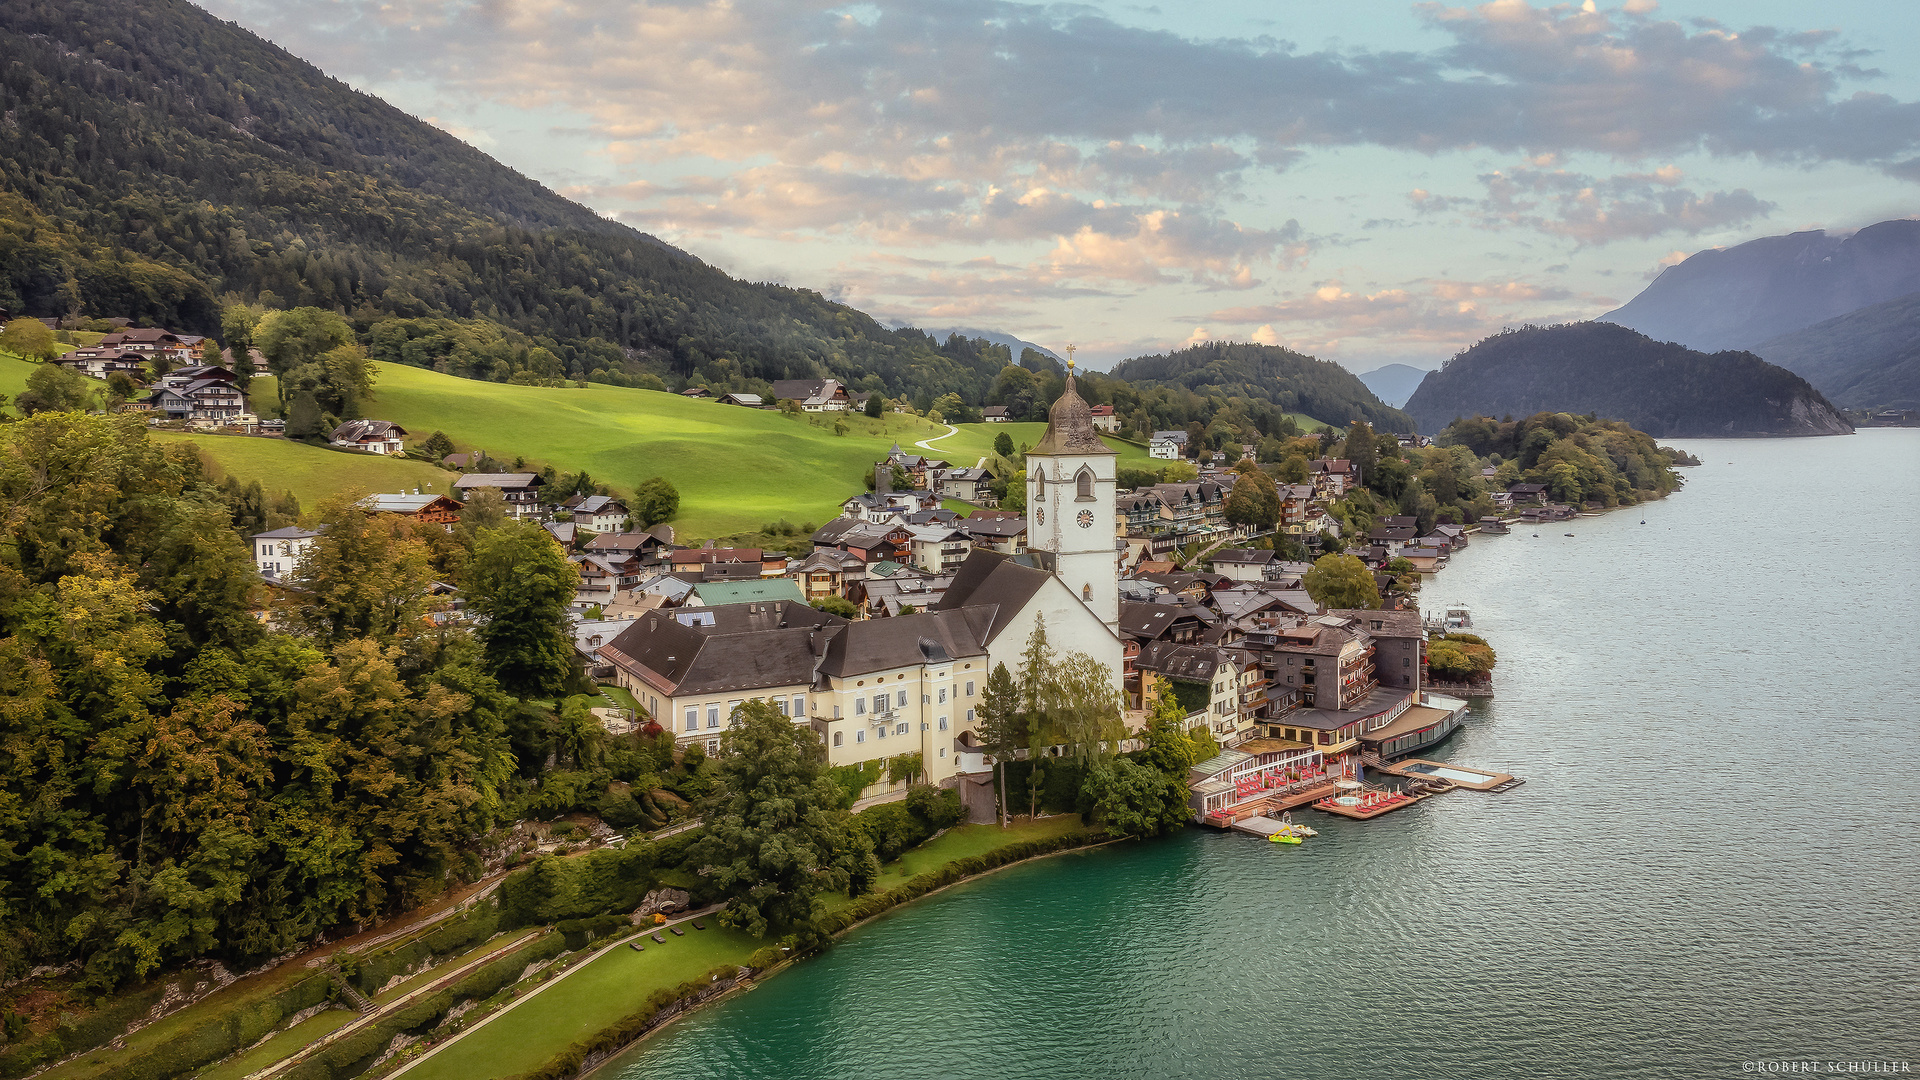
{"points": [[1713, 859]]}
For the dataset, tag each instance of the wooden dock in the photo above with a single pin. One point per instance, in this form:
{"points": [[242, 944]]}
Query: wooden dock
{"points": [[1411, 769], [1365, 813]]}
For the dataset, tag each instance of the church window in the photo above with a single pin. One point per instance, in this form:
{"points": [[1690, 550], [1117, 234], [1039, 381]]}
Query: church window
{"points": [[1039, 476], [1086, 592], [1085, 484]]}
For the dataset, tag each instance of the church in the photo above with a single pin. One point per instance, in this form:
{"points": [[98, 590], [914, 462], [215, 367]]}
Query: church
{"points": [[912, 683]]}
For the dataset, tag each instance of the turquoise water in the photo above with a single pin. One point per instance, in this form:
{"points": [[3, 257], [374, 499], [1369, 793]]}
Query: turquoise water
{"points": [[1713, 860]]}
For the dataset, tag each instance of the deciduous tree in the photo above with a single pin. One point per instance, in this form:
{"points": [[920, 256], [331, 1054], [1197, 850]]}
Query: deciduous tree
{"points": [[1341, 581], [521, 584], [654, 501]]}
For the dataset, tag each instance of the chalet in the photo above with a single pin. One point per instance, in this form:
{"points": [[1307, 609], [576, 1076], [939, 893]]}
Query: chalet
{"points": [[1243, 564], [651, 546], [696, 392], [373, 436], [1295, 502], [428, 507], [276, 554], [150, 343], [1192, 505], [1392, 539], [521, 490], [939, 549], [827, 572], [1177, 622], [1425, 559], [564, 533], [201, 398], [967, 485], [997, 532], [901, 592], [1528, 494], [99, 363], [728, 564], [597, 513], [914, 465], [1105, 418], [868, 543], [1333, 476], [994, 414], [1167, 445], [813, 395], [602, 576], [751, 401]]}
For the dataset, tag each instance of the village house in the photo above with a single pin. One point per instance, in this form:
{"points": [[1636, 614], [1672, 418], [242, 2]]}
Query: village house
{"points": [[891, 589], [994, 414], [520, 490], [1105, 418], [826, 572], [1392, 539], [1333, 476], [652, 546], [939, 549], [696, 392], [151, 342], [915, 465], [425, 507], [750, 401], [1243, 564], [1004, 532], [1296, 505], [1167, 445], [1208, 682], [563, 533], [812, 395], [277, 554], [967, 485], [1527, 494], [597, 513], [198, 393], [604, 576], [372, 436], [98, 363], [1191, 506], [728, 564]]}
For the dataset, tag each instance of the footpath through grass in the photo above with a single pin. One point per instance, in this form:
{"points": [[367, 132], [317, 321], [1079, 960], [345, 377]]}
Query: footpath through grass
{"points": [[600, 994]]}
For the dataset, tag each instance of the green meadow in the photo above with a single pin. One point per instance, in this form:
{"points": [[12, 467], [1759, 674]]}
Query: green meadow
{"points": [[735, 468], [312, 473], [971, 442]]}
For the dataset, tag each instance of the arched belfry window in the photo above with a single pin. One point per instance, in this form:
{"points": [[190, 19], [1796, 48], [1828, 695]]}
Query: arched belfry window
{"points": [[1039, 476], [1085, 483]]}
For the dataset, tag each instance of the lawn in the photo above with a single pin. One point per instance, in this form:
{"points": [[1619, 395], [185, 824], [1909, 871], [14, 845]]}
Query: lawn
{"points": [[13, 377], [281, 1044], [735, 468], [312, 473], [596, 996], [970, 840]]}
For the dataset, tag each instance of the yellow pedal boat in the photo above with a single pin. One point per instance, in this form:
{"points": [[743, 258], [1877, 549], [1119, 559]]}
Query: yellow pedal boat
{"points": [[1283, 838]]}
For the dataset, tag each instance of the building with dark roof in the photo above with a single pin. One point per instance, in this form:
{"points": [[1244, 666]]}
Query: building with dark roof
{"points": [[372, 436]]}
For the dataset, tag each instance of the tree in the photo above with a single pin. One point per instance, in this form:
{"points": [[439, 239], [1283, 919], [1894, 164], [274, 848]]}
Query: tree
{"points": [[521, 584], [291, 339], [364, 576], [876, 404], [837, 605], [1360, 447], [772, 830], [1003, 445], [1001, 728], [51, 388], [28, 338], [1253, 500], [578, 734], [1133, 799], [1341, 581], [655, 501], [436, 446], [304, 420]]}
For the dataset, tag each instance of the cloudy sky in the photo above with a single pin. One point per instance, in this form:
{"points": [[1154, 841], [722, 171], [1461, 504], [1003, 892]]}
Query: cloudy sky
{"points": [[1370, 182]]}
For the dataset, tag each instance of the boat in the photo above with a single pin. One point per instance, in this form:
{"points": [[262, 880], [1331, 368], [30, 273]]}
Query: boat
{"points": [[1459, 617], [1568, 534], [1284, 838], [1289, 833]]}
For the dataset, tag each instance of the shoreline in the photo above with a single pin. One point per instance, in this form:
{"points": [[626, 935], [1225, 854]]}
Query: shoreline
{"points": [[752, 981]]}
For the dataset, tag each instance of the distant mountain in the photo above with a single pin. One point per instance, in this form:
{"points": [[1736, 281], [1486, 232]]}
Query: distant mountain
{"points": [[1865, 359], [1663, 389], [1738, 297], [1288, 380], [1393, 384], [971, 333], [153, 158]]}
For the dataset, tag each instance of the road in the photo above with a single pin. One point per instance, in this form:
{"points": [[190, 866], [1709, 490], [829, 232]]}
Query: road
{"points": [[927, 444]]}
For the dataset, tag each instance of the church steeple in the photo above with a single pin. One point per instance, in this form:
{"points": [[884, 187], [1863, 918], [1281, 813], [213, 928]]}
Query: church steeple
{"points": [[1070, 503]]}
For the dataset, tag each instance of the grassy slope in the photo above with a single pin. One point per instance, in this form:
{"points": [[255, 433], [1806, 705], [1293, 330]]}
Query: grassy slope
{"points": [[601, 994], [310, 472], [974, 441], [735, 468]]}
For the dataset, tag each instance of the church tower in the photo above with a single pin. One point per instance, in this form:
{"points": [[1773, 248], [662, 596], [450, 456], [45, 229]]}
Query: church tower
{"points": [[1071, 493]]}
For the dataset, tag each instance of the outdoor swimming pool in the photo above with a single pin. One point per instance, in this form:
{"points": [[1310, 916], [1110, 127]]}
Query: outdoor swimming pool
{"points": [[1451, 774]]}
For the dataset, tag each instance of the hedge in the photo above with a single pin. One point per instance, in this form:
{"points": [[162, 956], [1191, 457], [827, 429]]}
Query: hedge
{"points": [[372, 971], [579, 932], [99, 1027], [598, 883], [868, 906], [352, 1055], [229, 1032]]}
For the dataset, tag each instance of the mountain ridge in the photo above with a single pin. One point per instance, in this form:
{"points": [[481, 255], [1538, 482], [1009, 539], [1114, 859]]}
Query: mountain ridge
{"points": [[1661, 388], [1868, 358]]}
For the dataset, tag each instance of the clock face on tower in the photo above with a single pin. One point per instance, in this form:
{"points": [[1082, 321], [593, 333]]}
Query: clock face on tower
{"points": [[1039, 515], [1085, 519]]}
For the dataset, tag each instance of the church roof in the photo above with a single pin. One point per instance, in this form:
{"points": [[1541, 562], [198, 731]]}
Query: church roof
{"points": [[1070, 427], [996, 584]]}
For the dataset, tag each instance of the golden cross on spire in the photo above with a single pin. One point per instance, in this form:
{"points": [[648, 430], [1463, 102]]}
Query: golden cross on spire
{"points": [[1070, 351]]}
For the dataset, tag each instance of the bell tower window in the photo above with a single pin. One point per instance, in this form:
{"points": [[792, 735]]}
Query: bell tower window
{"points": [[1085, 484]]}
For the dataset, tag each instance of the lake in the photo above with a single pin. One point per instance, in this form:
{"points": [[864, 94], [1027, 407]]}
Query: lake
{"points": [[1715, 859]]}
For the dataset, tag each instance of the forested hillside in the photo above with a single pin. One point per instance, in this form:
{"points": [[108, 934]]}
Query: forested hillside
{"points": [[160, 160], [1285, 380], [1865, 359], [1663, 389]]}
